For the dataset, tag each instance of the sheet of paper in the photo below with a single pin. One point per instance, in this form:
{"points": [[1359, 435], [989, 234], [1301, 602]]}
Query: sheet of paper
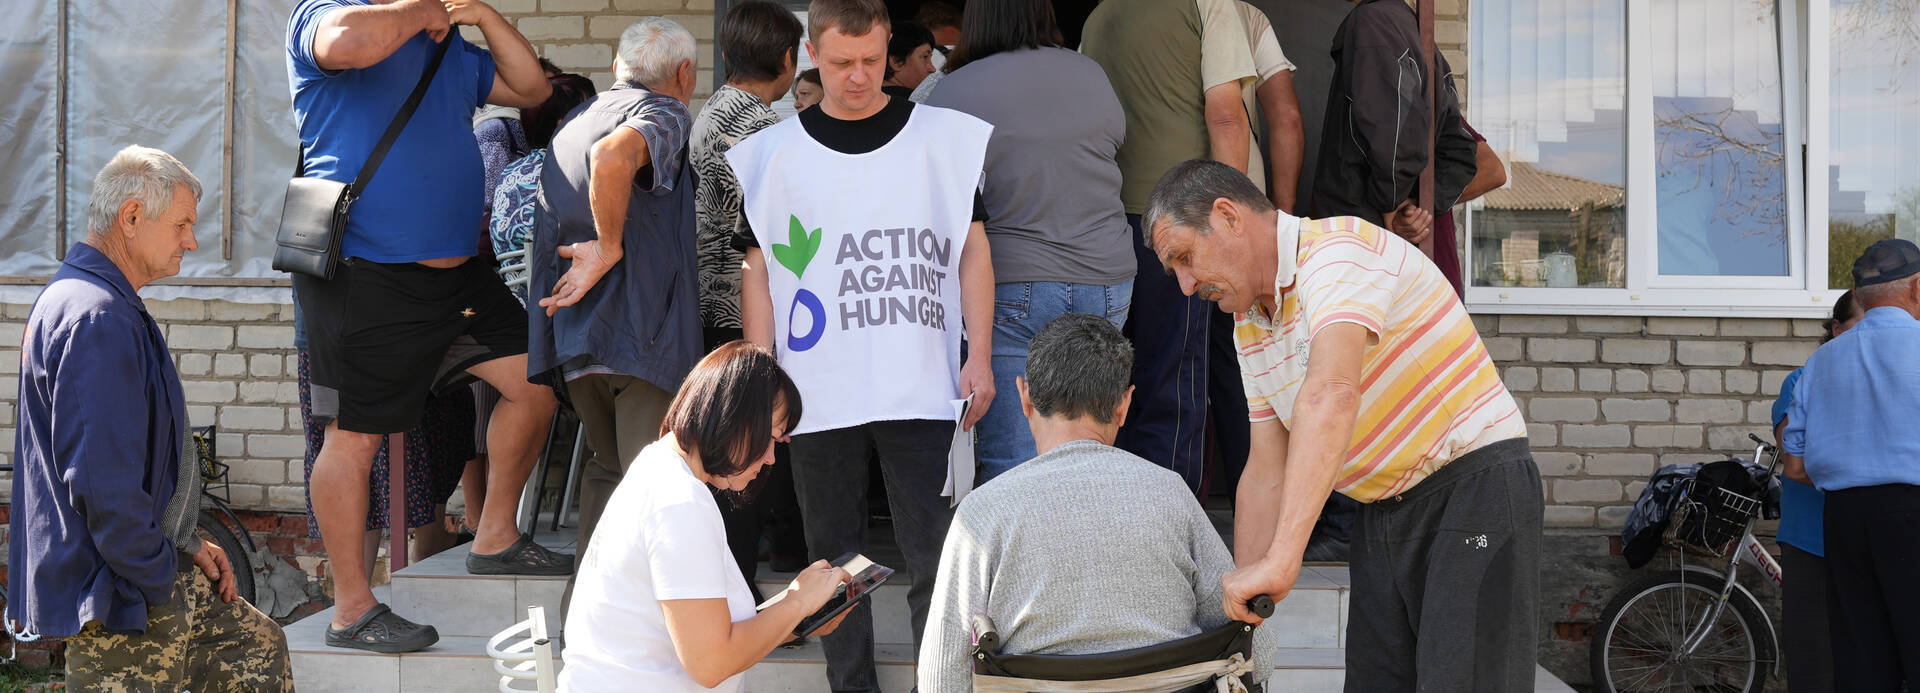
{"points": [[959, 456]]}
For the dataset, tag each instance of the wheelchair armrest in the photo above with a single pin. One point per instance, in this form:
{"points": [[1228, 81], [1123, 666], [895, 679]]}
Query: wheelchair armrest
{"points": [[985, 638]]}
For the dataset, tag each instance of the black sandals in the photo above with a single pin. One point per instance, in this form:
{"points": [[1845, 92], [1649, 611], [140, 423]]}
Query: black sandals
{"points": [[381, 630], [522, 558]]}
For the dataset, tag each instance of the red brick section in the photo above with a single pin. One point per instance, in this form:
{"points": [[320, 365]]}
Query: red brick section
{"points": [[1575, 632]]}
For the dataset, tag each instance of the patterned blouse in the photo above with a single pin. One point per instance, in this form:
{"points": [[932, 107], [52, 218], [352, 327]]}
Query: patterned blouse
{"points": [[729, 116]]}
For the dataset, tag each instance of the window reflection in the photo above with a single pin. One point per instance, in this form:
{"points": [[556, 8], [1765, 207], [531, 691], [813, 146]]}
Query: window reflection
{"points": [[1720, 140], [1549, 93], [1874, 176]]}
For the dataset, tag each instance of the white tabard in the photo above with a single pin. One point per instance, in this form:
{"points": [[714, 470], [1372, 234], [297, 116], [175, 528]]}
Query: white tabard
{"points": [[863, 259]]}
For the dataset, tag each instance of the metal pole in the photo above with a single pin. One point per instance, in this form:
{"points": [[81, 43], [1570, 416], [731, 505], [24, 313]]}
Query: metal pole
{"points": [[277, 282], [573, 476], [226, 138], [60, 137], [396, 502], [528, 518], [1428, 51]]}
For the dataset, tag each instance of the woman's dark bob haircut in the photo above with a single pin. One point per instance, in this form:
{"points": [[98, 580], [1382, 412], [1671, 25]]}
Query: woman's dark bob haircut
{"points": [[997, 26], [724, 410], [756, 39]]}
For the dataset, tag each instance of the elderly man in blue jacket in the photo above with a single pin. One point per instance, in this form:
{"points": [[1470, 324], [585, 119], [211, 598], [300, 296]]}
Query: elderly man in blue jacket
{"points": [[105, 497]]}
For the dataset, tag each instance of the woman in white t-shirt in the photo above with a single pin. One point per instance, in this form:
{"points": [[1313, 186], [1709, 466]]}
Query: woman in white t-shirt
{"points": [[660, 604]]}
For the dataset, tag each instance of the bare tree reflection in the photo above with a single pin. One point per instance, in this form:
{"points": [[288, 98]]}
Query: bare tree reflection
{"points": [[1888, 26], [1743, 160]]}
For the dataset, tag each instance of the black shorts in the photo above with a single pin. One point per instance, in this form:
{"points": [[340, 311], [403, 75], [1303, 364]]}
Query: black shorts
{"points": [[384, 335]]}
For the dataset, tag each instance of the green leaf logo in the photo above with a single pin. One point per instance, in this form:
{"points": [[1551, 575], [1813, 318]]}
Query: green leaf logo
{"points": [[800, 248]]}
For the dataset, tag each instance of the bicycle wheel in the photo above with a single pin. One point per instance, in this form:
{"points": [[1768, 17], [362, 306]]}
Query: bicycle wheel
{"points": [[212, 529], [1637, 643]]}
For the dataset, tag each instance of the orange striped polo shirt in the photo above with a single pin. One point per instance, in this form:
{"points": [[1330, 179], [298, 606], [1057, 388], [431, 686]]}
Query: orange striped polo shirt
{"points": [[1429, 392]]}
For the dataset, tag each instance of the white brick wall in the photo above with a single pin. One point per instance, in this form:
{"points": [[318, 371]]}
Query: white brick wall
{"points": [[233, 360], [1607, 399], [1656, 391], [581, 35]]}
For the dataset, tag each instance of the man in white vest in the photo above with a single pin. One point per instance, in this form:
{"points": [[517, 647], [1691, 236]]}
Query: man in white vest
{"points": [[868, 210]]}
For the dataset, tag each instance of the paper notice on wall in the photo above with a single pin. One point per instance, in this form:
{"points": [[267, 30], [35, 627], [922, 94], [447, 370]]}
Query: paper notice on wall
{"points": [[959, 456]]}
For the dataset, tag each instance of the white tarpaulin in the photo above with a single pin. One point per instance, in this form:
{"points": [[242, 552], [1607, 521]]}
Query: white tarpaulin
{"points": [[28, 130], [153, 74]]}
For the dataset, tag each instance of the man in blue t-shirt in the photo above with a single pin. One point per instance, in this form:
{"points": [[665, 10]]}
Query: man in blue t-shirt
{"points": [[406, 312]]}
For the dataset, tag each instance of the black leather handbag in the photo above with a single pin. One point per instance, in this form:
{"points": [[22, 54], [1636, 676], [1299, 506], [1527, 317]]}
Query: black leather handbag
{"points": [[315, 215]]}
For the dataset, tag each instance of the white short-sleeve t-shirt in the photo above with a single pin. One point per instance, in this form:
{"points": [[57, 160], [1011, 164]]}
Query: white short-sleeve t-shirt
{"points": [[661, 538]]}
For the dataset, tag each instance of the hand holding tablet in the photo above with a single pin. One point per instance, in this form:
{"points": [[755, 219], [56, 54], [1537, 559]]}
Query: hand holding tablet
{"points": [[865, 575]]}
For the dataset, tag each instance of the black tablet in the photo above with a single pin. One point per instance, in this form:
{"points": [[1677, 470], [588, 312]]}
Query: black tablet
{"points": [[866, 575]]}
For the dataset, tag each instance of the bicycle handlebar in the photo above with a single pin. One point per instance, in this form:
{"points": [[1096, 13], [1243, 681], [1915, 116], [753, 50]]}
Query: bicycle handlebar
{"points": [[1766, 448]]}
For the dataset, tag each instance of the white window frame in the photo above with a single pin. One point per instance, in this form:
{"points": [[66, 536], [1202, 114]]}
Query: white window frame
{"points": [[1803, 293]]}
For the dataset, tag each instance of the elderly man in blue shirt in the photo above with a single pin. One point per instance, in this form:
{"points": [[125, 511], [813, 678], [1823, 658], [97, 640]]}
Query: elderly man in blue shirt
{"points": [[1851, 420], [105, 497]]}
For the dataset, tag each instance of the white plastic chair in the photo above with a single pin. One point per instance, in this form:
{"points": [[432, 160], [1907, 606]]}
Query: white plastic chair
{"points": [[514, 271], [529, 659]]}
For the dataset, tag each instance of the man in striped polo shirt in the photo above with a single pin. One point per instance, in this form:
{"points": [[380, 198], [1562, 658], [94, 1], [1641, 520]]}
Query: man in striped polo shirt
{"points": [[1365, 375]]}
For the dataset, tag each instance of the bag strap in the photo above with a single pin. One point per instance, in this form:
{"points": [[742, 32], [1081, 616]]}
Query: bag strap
{"points": [[399, 122], [393, 129]]}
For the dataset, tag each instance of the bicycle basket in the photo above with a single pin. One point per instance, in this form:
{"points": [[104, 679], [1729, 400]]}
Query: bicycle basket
{"points": [[1708, 519]]}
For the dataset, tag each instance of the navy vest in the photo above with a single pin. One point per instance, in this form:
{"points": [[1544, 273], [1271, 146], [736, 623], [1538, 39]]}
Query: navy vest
{"points": [[643, 318]]}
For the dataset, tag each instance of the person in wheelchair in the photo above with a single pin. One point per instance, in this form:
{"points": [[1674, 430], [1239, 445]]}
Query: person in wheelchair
{"points": [[1085, 549]]}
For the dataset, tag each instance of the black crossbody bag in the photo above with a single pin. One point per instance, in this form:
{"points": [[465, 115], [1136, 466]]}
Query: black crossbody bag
{"points": [[315, 215]]}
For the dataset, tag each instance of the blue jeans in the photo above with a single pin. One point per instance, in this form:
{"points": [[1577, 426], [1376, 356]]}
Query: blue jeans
{"points": [[1020, 309]]}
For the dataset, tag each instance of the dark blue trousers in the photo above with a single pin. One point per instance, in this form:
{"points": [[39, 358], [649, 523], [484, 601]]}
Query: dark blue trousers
{"points": [[1167, 424], [1227, 403]]}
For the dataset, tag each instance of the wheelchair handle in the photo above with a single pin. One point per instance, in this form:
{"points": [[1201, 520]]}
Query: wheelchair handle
{"points": [[1261, 606], [985, 639]]}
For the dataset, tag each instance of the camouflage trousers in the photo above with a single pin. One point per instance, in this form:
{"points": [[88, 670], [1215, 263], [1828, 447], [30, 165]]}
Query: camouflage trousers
{"points": [[195, 642]]}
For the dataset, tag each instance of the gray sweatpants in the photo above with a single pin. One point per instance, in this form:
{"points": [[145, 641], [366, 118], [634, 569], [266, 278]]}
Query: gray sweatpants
{"points": [[1446, 580]]}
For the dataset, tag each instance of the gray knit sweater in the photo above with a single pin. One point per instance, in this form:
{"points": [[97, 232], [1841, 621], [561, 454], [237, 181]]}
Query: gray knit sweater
{"points": [[1082, 550]]}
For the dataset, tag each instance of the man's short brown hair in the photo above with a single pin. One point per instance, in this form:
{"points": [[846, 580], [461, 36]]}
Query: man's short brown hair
{"points": [[851, 17]]}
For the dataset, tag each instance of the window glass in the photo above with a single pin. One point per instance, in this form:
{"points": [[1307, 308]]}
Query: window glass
{"points": [[1874, 174], [1548, 90], [1719, 138]]}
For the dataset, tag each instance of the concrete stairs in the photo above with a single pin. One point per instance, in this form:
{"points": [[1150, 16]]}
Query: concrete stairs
{"points": [[469, 609]]}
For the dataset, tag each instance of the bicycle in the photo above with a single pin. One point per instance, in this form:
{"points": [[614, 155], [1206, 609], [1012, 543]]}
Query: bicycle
{"points": [[218, 522], [1673, 630]]}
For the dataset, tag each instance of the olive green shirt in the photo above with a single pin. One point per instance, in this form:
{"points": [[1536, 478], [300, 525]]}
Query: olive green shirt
{"points": [[1161, 56]]}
